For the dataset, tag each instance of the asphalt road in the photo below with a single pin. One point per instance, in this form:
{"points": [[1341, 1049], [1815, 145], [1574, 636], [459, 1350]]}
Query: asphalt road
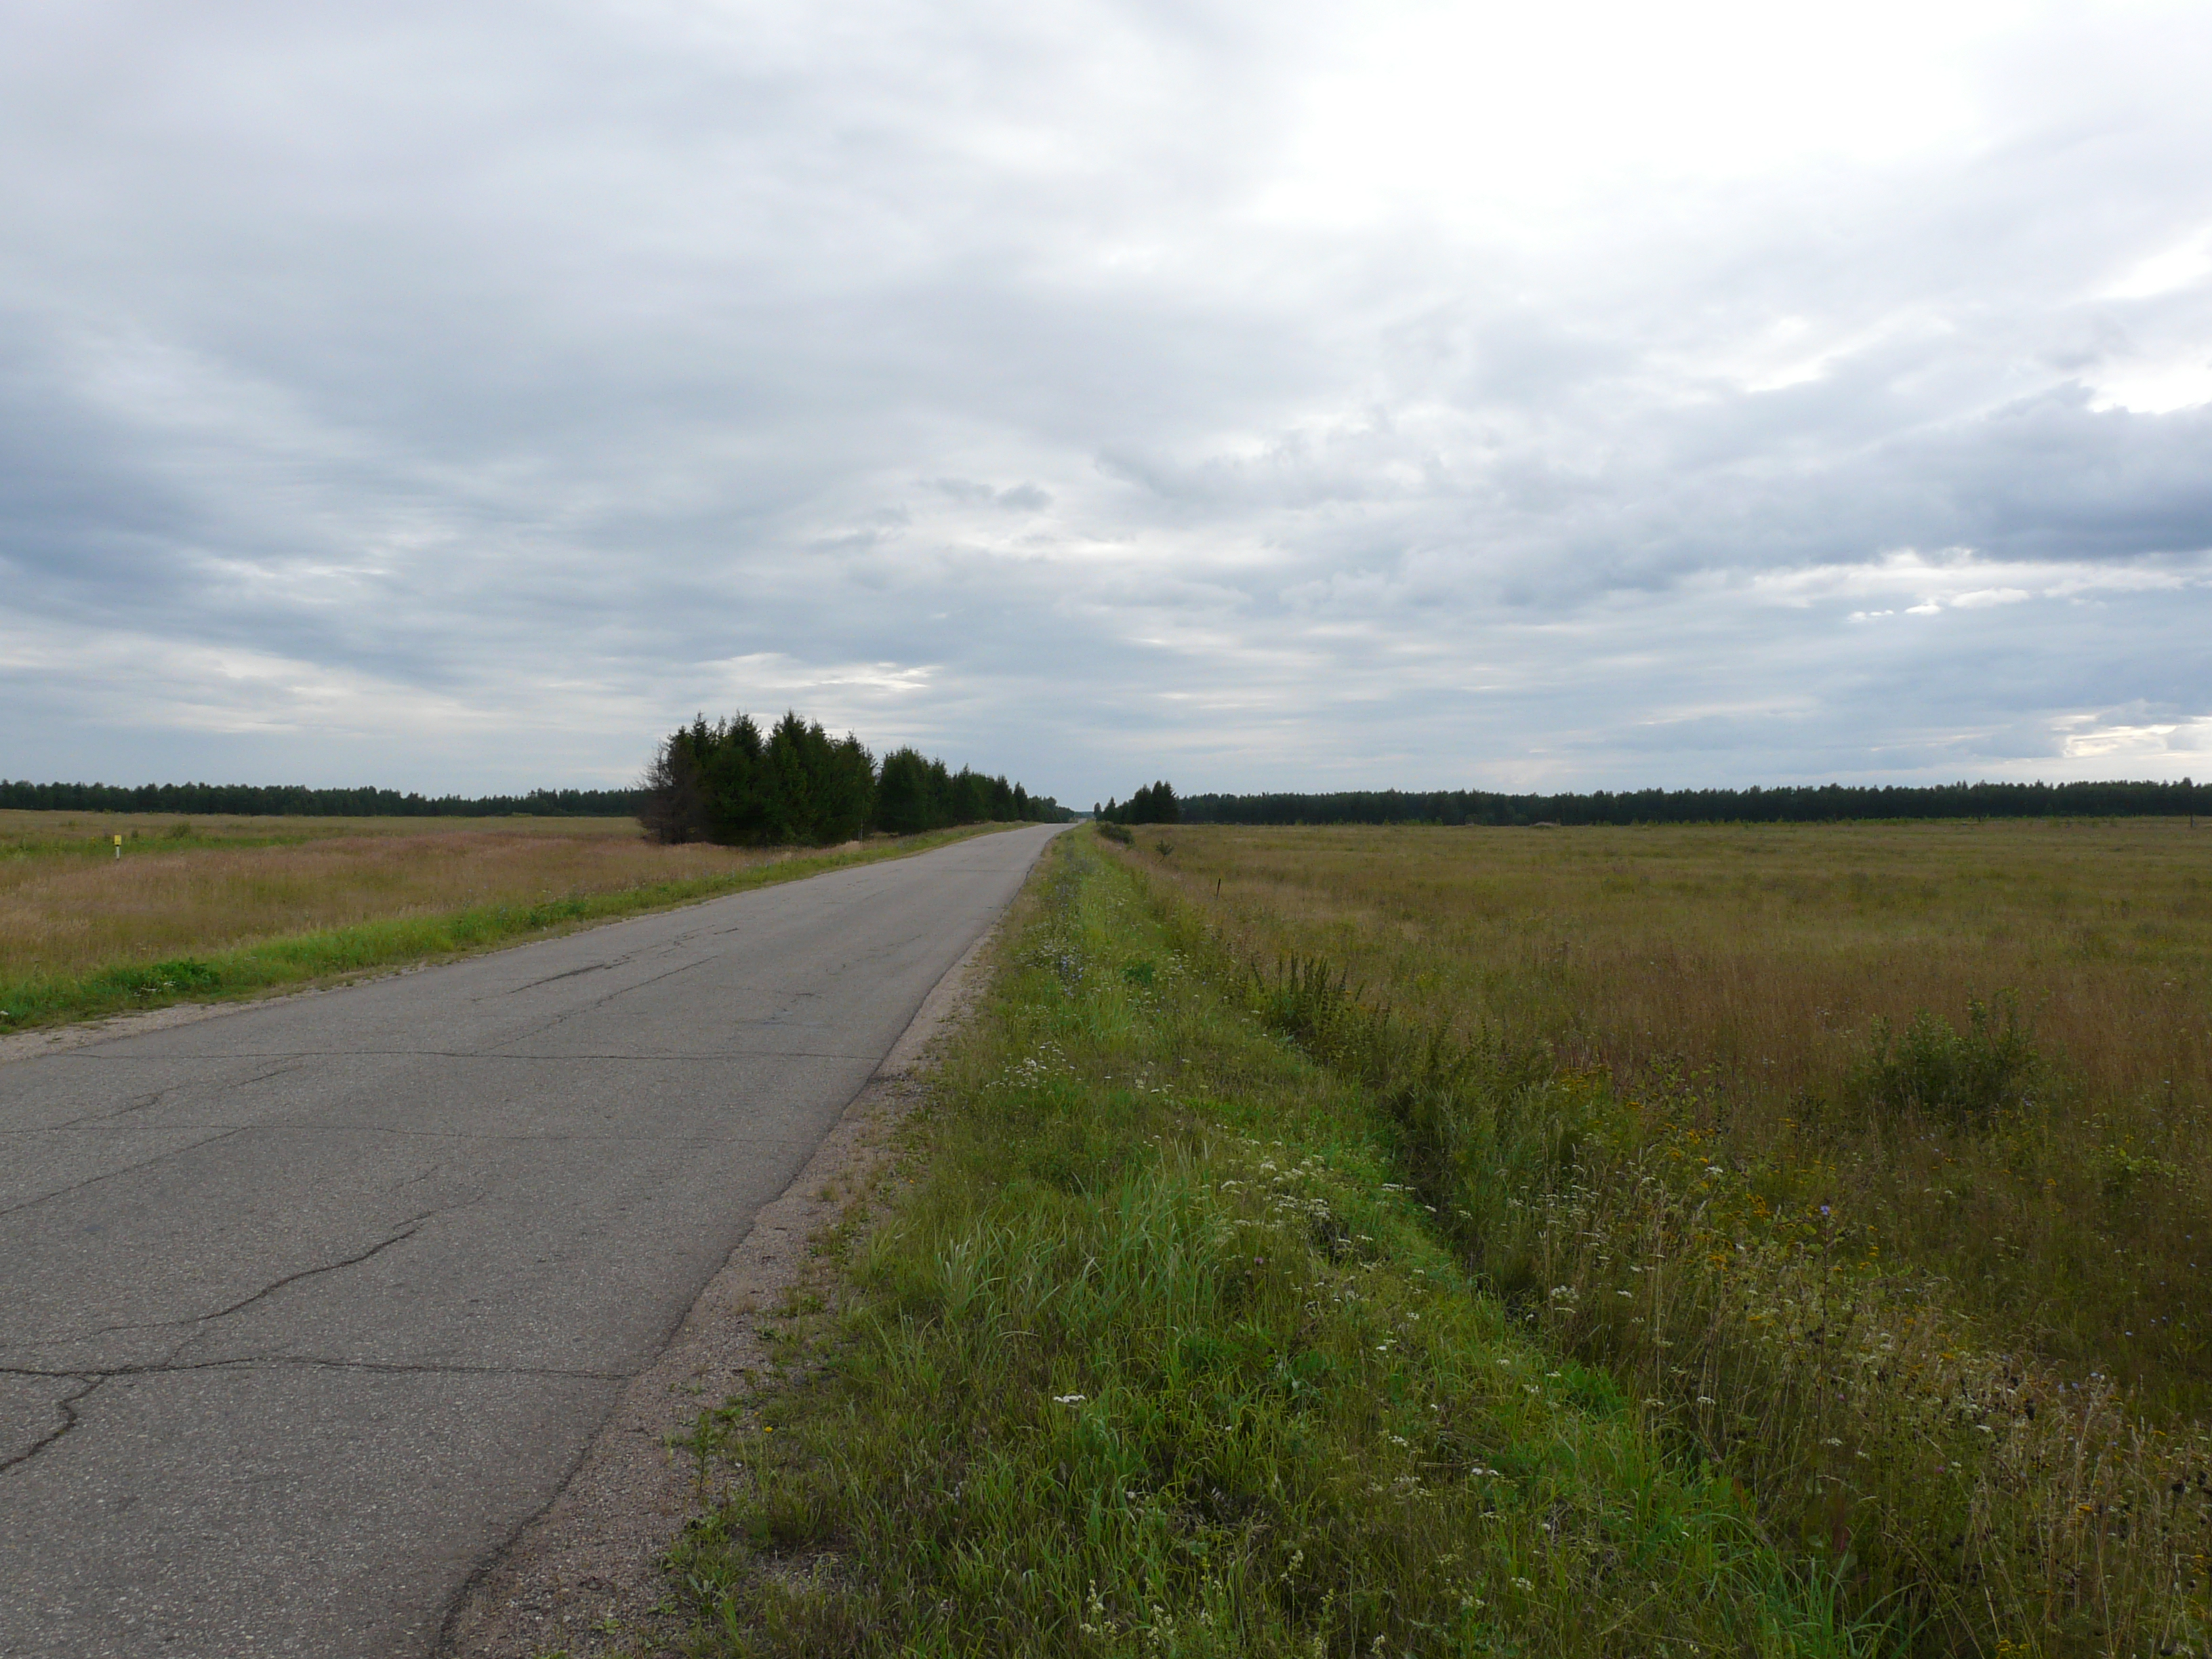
{"points": [[306, 1309]]}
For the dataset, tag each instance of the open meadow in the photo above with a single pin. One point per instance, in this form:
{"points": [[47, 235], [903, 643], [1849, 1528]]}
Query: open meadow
{"points": [[214, 905], [1877, 1156], [1750, 971]]}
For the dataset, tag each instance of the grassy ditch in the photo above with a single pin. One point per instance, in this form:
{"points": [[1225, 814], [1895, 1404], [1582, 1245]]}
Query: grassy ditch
{"points": [[88, 936], [1157, 1355]]}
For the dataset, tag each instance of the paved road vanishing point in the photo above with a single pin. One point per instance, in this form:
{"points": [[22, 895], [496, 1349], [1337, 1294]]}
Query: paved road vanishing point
{"points": [[304, 1310]]}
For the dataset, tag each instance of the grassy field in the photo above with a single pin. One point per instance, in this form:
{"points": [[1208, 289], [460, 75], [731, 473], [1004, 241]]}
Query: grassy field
{"points": [[1740, 975], [224, 906], [1878, 1153], [1157, 1357]]}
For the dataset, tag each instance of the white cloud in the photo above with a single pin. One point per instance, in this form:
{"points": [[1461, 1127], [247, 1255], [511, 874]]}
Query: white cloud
{"points": [[2161, 747], [2155, 388], [2183, 265]]}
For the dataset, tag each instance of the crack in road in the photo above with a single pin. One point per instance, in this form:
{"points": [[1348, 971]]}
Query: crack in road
{"points": [[608, 966], [94, 1378], [755, 1054], [160, 1095], [110, 1175], [66, 1405], [598, 1002], [408, 1230], [550, 1136], [477, 1054], [91, 1380]]}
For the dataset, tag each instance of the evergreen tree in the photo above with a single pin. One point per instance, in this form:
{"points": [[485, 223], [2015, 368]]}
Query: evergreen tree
{"points": [[1155, 803]]}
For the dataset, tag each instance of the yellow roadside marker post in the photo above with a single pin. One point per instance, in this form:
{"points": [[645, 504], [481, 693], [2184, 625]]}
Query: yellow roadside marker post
{"points": [[118, 847]]}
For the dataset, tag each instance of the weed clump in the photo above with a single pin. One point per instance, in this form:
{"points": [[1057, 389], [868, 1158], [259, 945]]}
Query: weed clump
{"points": [[1962, 1080]]}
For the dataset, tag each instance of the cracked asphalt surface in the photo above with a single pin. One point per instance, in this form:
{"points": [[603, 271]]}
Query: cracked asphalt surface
{"points": [[305, 1310]]}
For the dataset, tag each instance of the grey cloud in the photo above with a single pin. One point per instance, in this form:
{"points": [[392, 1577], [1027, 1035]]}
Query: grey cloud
{"points": [[1021, 498], [964, 375]]}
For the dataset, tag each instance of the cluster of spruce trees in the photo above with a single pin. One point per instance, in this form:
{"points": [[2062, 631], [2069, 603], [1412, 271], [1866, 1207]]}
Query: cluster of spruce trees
{"points": [[731, 782], [1154, 804], [1807, 804]]}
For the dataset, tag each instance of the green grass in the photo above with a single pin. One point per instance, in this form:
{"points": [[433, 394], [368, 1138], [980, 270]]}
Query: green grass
{"points": [[291, 961], [1157, 1355]]}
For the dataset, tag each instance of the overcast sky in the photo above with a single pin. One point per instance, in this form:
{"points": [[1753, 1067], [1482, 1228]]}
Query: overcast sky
{"points": [[1261, 395]]}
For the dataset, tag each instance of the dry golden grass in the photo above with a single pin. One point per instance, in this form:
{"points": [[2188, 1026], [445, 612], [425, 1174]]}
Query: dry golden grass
{"points": [[67, 912], [86, 833], [1764, 950], [235, 907]]}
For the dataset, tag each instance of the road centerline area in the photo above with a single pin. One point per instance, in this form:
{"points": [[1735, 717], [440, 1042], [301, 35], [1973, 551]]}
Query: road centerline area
{"points": [[308, 1307]]}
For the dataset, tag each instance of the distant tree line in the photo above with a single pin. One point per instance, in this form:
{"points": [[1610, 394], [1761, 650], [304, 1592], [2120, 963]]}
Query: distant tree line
{"points": [[730, 782], [1808, 803], [296, 800], [1154, 804]]}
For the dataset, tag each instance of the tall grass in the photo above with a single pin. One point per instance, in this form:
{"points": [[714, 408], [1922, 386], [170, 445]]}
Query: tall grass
{"points": [[1750, 977], [1779, 1245], [1158, 1357]]}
